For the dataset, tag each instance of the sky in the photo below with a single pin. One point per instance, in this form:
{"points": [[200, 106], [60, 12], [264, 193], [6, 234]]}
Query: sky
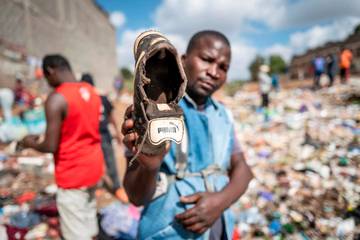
{"points": [[254, 27]]}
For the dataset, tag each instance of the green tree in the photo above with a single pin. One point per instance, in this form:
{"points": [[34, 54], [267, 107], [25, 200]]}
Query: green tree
{"points": [[277, 64], [128, 78], [254, 67], [126, 73]]}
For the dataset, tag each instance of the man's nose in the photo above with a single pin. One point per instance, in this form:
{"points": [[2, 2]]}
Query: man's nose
{"points": [[213, 71]]}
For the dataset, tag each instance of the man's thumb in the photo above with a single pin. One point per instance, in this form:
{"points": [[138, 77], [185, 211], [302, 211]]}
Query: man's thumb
{"points": [[191, 198]]}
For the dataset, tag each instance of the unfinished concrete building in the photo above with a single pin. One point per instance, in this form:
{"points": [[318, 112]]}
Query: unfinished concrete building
{"points": [[80, 30]]}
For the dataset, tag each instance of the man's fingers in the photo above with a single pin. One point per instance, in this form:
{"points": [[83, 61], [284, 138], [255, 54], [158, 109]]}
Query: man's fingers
{"points": [[197, 228], [202, 230], [191, 198], [129, 140], [187, 214], [191, 221], [130, 137], [128, 123], [127, 126], [129, 111]]}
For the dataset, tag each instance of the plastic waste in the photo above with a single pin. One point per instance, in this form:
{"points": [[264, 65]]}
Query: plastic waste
{"points": [[13, 129], [119, 220]]}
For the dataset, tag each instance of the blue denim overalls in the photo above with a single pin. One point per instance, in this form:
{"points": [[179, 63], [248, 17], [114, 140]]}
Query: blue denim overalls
{"points": [[209, 146]]}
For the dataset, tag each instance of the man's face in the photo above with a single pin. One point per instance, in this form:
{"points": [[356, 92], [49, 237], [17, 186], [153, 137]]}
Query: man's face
{"points": [[206, 67], [51, 77]]}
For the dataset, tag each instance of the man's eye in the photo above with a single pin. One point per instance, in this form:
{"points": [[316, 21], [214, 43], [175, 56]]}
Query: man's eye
{"points": [[206, 59], [224, 68]]}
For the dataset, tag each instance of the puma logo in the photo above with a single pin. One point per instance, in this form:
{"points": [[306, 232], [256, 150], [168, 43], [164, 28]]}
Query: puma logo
{"points": [[172, 129], [167, 130], [174, 124]]}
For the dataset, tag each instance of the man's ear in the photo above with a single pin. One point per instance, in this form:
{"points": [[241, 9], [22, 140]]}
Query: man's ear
{"points": [[50, 70]]}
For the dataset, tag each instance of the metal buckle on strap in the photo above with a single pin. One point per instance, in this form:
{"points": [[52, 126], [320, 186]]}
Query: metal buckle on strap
{"points": [[181, 163], [165, 180], [212, 169], [180, 175]]}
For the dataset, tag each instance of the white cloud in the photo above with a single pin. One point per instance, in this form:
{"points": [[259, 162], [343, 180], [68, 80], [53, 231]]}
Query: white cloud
{"points": [[318, 35], [125, 48], [117, 19], [180, 19], [179, 41], [234, 17], [284, 51], [228, 16], [307, 13], [242, 56], [313, 37]]}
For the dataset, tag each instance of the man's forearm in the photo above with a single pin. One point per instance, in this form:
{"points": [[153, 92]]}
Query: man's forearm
{"points": [[240, 177], [43, 146], [140, 184]]}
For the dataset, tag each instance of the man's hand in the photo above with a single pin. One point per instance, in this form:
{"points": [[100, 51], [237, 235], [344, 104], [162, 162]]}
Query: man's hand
{"points": [[202, 216], [150, 162], [140, 180], [29, 141]]}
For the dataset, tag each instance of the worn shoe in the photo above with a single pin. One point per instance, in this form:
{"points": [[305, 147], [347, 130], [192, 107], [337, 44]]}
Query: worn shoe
{"points": [[159, 84]]}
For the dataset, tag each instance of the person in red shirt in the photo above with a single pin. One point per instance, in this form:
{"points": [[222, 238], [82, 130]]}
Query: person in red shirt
{"points": [[72, 135]]}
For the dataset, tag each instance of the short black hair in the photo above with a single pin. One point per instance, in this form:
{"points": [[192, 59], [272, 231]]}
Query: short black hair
{"points": [[87, 77], [55, 61], [206, 33]]}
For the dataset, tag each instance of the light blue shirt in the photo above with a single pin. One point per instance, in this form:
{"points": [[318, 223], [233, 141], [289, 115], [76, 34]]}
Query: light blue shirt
{"points": [[210, 140]]}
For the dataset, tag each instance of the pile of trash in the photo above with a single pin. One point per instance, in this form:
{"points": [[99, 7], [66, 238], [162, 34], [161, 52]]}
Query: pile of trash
{"points": [[28, 204], [120, 221], [27, 196], [305, 153]]}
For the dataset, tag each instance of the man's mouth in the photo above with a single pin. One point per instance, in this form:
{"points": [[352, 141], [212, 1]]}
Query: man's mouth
{"points": [[206, 85]]}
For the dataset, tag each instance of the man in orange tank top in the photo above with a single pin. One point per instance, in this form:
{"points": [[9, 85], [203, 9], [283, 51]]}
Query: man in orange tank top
{"points": [[72, 135]]}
